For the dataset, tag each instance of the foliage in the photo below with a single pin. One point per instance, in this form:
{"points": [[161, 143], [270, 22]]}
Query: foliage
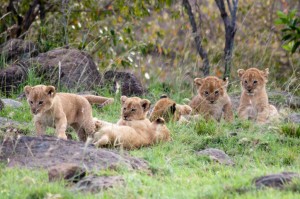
{"points": [[290, 31], [290, 129]]}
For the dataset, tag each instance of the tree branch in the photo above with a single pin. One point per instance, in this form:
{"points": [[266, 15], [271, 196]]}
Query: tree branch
{"points": [[197, 38]]}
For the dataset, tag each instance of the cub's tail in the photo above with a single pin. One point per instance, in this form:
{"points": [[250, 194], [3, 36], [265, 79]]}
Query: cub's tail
{"points": [[102, 101]]}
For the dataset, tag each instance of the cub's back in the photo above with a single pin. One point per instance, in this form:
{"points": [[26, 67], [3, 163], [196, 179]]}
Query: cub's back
{"points": [[74, 106]]}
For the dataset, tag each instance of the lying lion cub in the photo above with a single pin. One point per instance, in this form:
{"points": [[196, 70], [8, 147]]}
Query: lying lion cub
{"points": [[254, 103], [212, 100], [61, 109], [133, 130], [169, 110]]}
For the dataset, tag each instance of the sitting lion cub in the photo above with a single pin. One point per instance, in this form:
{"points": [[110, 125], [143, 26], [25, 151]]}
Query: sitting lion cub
{"points": [[254, 103], [133, 130], [61, 109], [169, 110], [212, 100]]}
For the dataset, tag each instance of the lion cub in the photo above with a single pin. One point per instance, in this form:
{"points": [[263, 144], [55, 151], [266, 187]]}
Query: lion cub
{"points": [[133, 130], [212, 100], [254, 103], [61, 109], [169, 110]]}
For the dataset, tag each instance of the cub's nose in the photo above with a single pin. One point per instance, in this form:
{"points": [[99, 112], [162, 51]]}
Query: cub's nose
{"points": [[34, 111], [125, 117], [212, 101], [249, 90]]}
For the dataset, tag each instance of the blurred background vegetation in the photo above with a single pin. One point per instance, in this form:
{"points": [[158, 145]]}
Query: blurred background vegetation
{"points": [[154, 38]]}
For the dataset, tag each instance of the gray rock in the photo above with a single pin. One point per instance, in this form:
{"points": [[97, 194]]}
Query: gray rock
{"points": [[293, 101], [48, 151], [78, 70], [275, 180], [17, 49], [66, 171], [12, 76], [6, 122], [294, 117], [70, 68], [217, 155], [128, 82], [96, 184], [12, 103]]}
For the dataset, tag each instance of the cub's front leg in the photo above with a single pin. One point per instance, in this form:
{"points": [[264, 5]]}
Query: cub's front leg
{"points": [[61, 127], [228, 113], [263, 114], [39, 128], [243, 110]]}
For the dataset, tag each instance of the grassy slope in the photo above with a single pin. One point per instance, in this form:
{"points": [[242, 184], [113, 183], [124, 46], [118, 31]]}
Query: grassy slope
{"points": [[178, 172]]}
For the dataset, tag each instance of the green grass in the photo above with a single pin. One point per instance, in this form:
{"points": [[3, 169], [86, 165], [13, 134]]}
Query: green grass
{"points": [[177, 172]]}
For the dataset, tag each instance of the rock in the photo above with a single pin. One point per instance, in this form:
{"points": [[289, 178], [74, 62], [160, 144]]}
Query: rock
{"points": [[293, 101], [78, 70], [128, 83], [275, 180], [5, 122], [12, 76], [233, 134], [12, 103], [96, 184], [17, 49], [294, 117], [66, 171], [217, 155], [48, 151]]}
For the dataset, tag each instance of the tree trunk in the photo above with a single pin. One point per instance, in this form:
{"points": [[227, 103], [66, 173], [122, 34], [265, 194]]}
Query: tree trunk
{"points": [[197, 38]]}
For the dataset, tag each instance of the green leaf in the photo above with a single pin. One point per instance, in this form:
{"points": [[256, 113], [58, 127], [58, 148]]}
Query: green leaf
{"points": [[281, 14], [295, 47], [287, 37]]}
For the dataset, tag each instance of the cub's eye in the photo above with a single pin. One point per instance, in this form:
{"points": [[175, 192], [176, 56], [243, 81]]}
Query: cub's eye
{"points": [[206, 93], [246, 81], [216, 92], [133, 110], [254, 82], [31, 102], [40, 102]]}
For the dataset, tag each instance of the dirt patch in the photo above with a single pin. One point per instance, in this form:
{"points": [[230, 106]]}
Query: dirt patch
{"points": [[47, 151]]}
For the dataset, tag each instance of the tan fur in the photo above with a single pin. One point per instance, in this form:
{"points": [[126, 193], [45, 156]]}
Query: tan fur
{"points": [[254, 103], [61, 109], [133, 130], [212, 100], [169, 110]]}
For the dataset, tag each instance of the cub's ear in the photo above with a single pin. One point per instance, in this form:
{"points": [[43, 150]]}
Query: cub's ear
{"points": [[160, 120], [198, 81], [145, 104], [266, 73], [50, 90], [27, 90], [240, 72], [123, 99], [225, 82]]}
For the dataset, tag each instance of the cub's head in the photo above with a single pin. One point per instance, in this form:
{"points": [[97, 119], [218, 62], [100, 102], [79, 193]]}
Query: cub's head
{"points": [[134, 108], [211, 88], [39, 97], [183, 109], [253, 80]]}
